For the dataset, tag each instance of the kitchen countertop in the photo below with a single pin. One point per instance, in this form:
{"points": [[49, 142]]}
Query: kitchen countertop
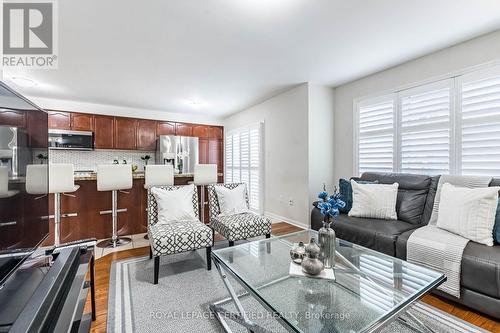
{"points": [[79, 176]]}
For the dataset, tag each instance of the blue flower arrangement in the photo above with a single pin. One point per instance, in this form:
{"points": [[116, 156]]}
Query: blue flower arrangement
{"points": [[330, 204]]}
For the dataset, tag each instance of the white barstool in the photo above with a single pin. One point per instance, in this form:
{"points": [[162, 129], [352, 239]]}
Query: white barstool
{"points": [[37, 180], [61, 181], [114, 178], [4, 184], [204, 174], [158, 175]]}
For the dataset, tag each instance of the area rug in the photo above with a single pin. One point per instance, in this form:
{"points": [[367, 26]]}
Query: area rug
{"points": [[180, 302]]}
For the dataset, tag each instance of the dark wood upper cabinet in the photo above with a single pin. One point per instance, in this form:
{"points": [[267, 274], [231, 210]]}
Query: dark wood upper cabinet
{"points": [[125, 133], [82, 122], [38, 136], [183, 129], [200, 131], [59, 120], [165, 128], [146, 134], [14, 118], [215, 153], [203, 151], [104, 132], [215, 132]]}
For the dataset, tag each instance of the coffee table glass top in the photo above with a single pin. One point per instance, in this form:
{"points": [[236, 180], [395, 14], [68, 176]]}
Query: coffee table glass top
{"points": [[369, 291]]}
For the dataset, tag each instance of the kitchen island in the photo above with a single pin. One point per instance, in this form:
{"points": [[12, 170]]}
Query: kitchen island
{"points": [[88, 203]]}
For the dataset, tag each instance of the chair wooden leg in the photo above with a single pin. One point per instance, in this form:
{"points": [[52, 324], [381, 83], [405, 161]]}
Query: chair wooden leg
{"points": [[209, 258], [150, 252], [157, 269], [268, 235], [231, 243]]}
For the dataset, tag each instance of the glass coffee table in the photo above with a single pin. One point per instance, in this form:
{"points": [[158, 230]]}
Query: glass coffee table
{"points": [[370, 289]]}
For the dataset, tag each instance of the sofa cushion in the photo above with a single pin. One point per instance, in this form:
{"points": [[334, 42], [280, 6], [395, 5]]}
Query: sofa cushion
{"points": [[481, 261], [345, 190], [412, 193], [379, 235]]}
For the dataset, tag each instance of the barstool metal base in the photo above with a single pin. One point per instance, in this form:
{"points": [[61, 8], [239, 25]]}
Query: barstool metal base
{"points": [[108, 243]]}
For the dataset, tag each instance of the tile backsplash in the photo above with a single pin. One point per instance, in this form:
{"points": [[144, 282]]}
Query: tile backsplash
{"points": [[88, 160]]}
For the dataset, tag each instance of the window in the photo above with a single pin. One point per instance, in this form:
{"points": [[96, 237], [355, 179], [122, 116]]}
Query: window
{"points": [[244, 162], [480, 124], [376, 134], [450, 126], [425, 129]]}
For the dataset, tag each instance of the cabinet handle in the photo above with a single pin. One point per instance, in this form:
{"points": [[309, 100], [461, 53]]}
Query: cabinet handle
{"points": [[6, 224], [104, 212]]}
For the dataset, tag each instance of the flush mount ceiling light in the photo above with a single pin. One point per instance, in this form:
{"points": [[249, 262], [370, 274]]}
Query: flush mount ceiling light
{"points": [[195, 104], [23, 81]]}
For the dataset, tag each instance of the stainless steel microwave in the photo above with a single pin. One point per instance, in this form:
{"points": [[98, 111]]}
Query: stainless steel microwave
{"points": [[76, 140]]}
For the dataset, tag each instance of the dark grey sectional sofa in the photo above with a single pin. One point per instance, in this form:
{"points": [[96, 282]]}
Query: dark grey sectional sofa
{"points": [[480, 276]]}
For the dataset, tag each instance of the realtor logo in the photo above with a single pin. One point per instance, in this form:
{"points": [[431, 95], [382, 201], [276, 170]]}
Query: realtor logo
{"points": [[29, 34]]}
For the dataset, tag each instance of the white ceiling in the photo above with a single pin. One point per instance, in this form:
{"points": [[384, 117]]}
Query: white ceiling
{"points": [[230, 54]]}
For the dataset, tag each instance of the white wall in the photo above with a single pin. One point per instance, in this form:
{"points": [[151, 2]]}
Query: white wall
{"points": [[298, 145], [451, 60], [321, 140], [113, 110], [286, 152]]}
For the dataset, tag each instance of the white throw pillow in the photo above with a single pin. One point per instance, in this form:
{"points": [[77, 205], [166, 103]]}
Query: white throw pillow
{"points": [[377, 201], [233, 201], [468, 212], [175, 205]]}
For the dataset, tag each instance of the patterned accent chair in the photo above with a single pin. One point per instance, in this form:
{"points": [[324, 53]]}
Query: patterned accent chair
{"points": [[236, 227], [176, 237]]}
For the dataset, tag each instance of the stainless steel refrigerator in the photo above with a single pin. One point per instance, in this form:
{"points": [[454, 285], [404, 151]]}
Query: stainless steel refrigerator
{"points": [[14, 151], [179, 151]]}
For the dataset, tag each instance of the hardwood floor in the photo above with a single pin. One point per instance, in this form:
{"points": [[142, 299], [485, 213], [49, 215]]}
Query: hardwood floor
{"points": [[103, 267]]}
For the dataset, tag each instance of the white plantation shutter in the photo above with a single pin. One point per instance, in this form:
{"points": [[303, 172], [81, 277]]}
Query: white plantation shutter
{"points": [[243, 161], [425, 129], [376, 135], [480, 124]]}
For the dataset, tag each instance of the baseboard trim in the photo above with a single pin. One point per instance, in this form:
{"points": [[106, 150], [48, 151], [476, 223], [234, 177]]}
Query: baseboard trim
{"points": [[277, 218]]}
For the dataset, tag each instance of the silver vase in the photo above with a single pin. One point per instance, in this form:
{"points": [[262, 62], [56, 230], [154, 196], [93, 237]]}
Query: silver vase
{"points": [[326, 238]]}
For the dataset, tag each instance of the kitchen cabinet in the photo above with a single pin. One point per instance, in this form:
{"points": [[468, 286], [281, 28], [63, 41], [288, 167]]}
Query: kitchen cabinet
{"points": [[38, 136], [215, 132], [165, 128], [210, 151], [59, 120], [70, 226], [14, 118], [104, 132], [125, 133], [183, 129], [215, 153], [200, 131], [203, 151], [82, 122], [146, 134]]}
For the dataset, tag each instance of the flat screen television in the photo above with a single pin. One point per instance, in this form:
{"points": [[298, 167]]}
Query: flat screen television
{"points": [[24, 205]]}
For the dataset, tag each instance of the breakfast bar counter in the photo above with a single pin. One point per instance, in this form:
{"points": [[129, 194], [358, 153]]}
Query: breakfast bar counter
{"points": [[88, 203]]}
